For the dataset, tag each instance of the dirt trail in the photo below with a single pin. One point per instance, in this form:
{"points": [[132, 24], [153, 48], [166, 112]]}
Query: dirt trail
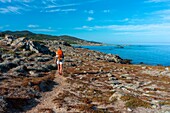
{"points": [[46, 101]]}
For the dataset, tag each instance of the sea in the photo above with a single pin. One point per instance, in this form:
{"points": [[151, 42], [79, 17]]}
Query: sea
{"points": [[139, 54]]}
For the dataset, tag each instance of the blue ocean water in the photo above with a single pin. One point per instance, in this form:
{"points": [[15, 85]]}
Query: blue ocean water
{"points": [[148, 54]]}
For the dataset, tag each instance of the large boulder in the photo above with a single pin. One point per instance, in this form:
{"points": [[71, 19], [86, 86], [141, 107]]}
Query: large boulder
{"points": [[8, 56], [1, 60], [9, 39], [21, 69], [26, 44], [6, 65], [30, 46], [117, 59], [19, 42], [37, 47], [113, 58]]}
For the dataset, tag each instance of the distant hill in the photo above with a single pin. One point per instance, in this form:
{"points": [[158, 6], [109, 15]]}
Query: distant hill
{"points": [[34, 36]]}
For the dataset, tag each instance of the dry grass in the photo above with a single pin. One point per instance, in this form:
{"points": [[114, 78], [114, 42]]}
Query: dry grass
{"points": [[89, 108], [165, 103], [134, 102], [46, 110], [37, 80], [3, 90]]}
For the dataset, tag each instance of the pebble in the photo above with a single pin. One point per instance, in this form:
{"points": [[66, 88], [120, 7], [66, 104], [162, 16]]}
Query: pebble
{"points": [[143, 67], [124, 75], [109, 74], [166, 69], [130, 110]]}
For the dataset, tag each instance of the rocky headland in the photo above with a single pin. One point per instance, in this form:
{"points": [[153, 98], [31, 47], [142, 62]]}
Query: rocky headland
{"points": [[92, 82]]}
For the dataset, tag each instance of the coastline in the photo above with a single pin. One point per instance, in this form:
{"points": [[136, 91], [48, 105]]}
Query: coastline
{"points": [[79, 45], [138, 54]]}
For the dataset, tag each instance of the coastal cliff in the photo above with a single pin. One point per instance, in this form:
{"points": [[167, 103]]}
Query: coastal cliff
{"points": [[92, 81]]}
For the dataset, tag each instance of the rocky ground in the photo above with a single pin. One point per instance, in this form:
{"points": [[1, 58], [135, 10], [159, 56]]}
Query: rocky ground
{"points": [[92, 82]]}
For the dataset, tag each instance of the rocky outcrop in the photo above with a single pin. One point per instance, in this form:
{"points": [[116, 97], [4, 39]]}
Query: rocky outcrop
{"points": [[113, 58], [19, 42], [6, 65], [26, 44], [116, 59], [8, 39], [37, 47], [1, 60]]}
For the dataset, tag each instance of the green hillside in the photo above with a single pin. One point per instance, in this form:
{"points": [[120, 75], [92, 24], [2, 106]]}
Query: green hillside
{"points": [[34, 36]]}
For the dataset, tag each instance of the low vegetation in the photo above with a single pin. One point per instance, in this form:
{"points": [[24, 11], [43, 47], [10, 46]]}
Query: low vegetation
{"points": [[133, 102], [40, 37]]}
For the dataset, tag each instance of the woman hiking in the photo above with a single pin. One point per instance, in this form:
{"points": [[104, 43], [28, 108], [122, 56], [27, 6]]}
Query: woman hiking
{"points": [[59, 58]]}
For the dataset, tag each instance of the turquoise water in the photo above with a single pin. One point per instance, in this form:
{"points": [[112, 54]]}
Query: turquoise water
{"points": [[148, 54]]}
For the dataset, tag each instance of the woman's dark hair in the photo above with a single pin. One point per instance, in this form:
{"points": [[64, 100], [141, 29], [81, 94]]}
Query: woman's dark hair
{"points": [[59, 47]]}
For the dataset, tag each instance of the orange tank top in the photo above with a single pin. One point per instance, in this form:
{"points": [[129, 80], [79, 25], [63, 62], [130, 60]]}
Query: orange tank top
{"points": [[59, 52]]}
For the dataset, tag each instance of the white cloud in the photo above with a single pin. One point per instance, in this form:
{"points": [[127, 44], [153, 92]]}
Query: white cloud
{"points": [[156, 1], [167, 11], [43, 5], [125, 20], [60, 10], [134, 31], [84, 27], [106, 11], [164, 15], [36, 28], [9, 1], [53, 10], [26, 1], [4, 1], [131, 28], [89, 11], [68, 10], [59, 3], [52, 1], [9, 9], [90, 18], [54, 5], [33, 26], [51, 6], [44, 30]]}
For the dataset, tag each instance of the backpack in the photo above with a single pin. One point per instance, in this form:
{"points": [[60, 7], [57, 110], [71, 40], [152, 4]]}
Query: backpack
{"points": [[62, 56]]}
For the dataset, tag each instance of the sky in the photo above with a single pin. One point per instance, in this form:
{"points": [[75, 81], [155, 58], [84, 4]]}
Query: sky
{"points": [[107, 21]]}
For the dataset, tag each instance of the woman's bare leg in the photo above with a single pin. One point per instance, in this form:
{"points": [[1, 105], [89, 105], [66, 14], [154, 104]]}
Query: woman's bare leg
{"points": [[58, 66], [61, 68]]}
